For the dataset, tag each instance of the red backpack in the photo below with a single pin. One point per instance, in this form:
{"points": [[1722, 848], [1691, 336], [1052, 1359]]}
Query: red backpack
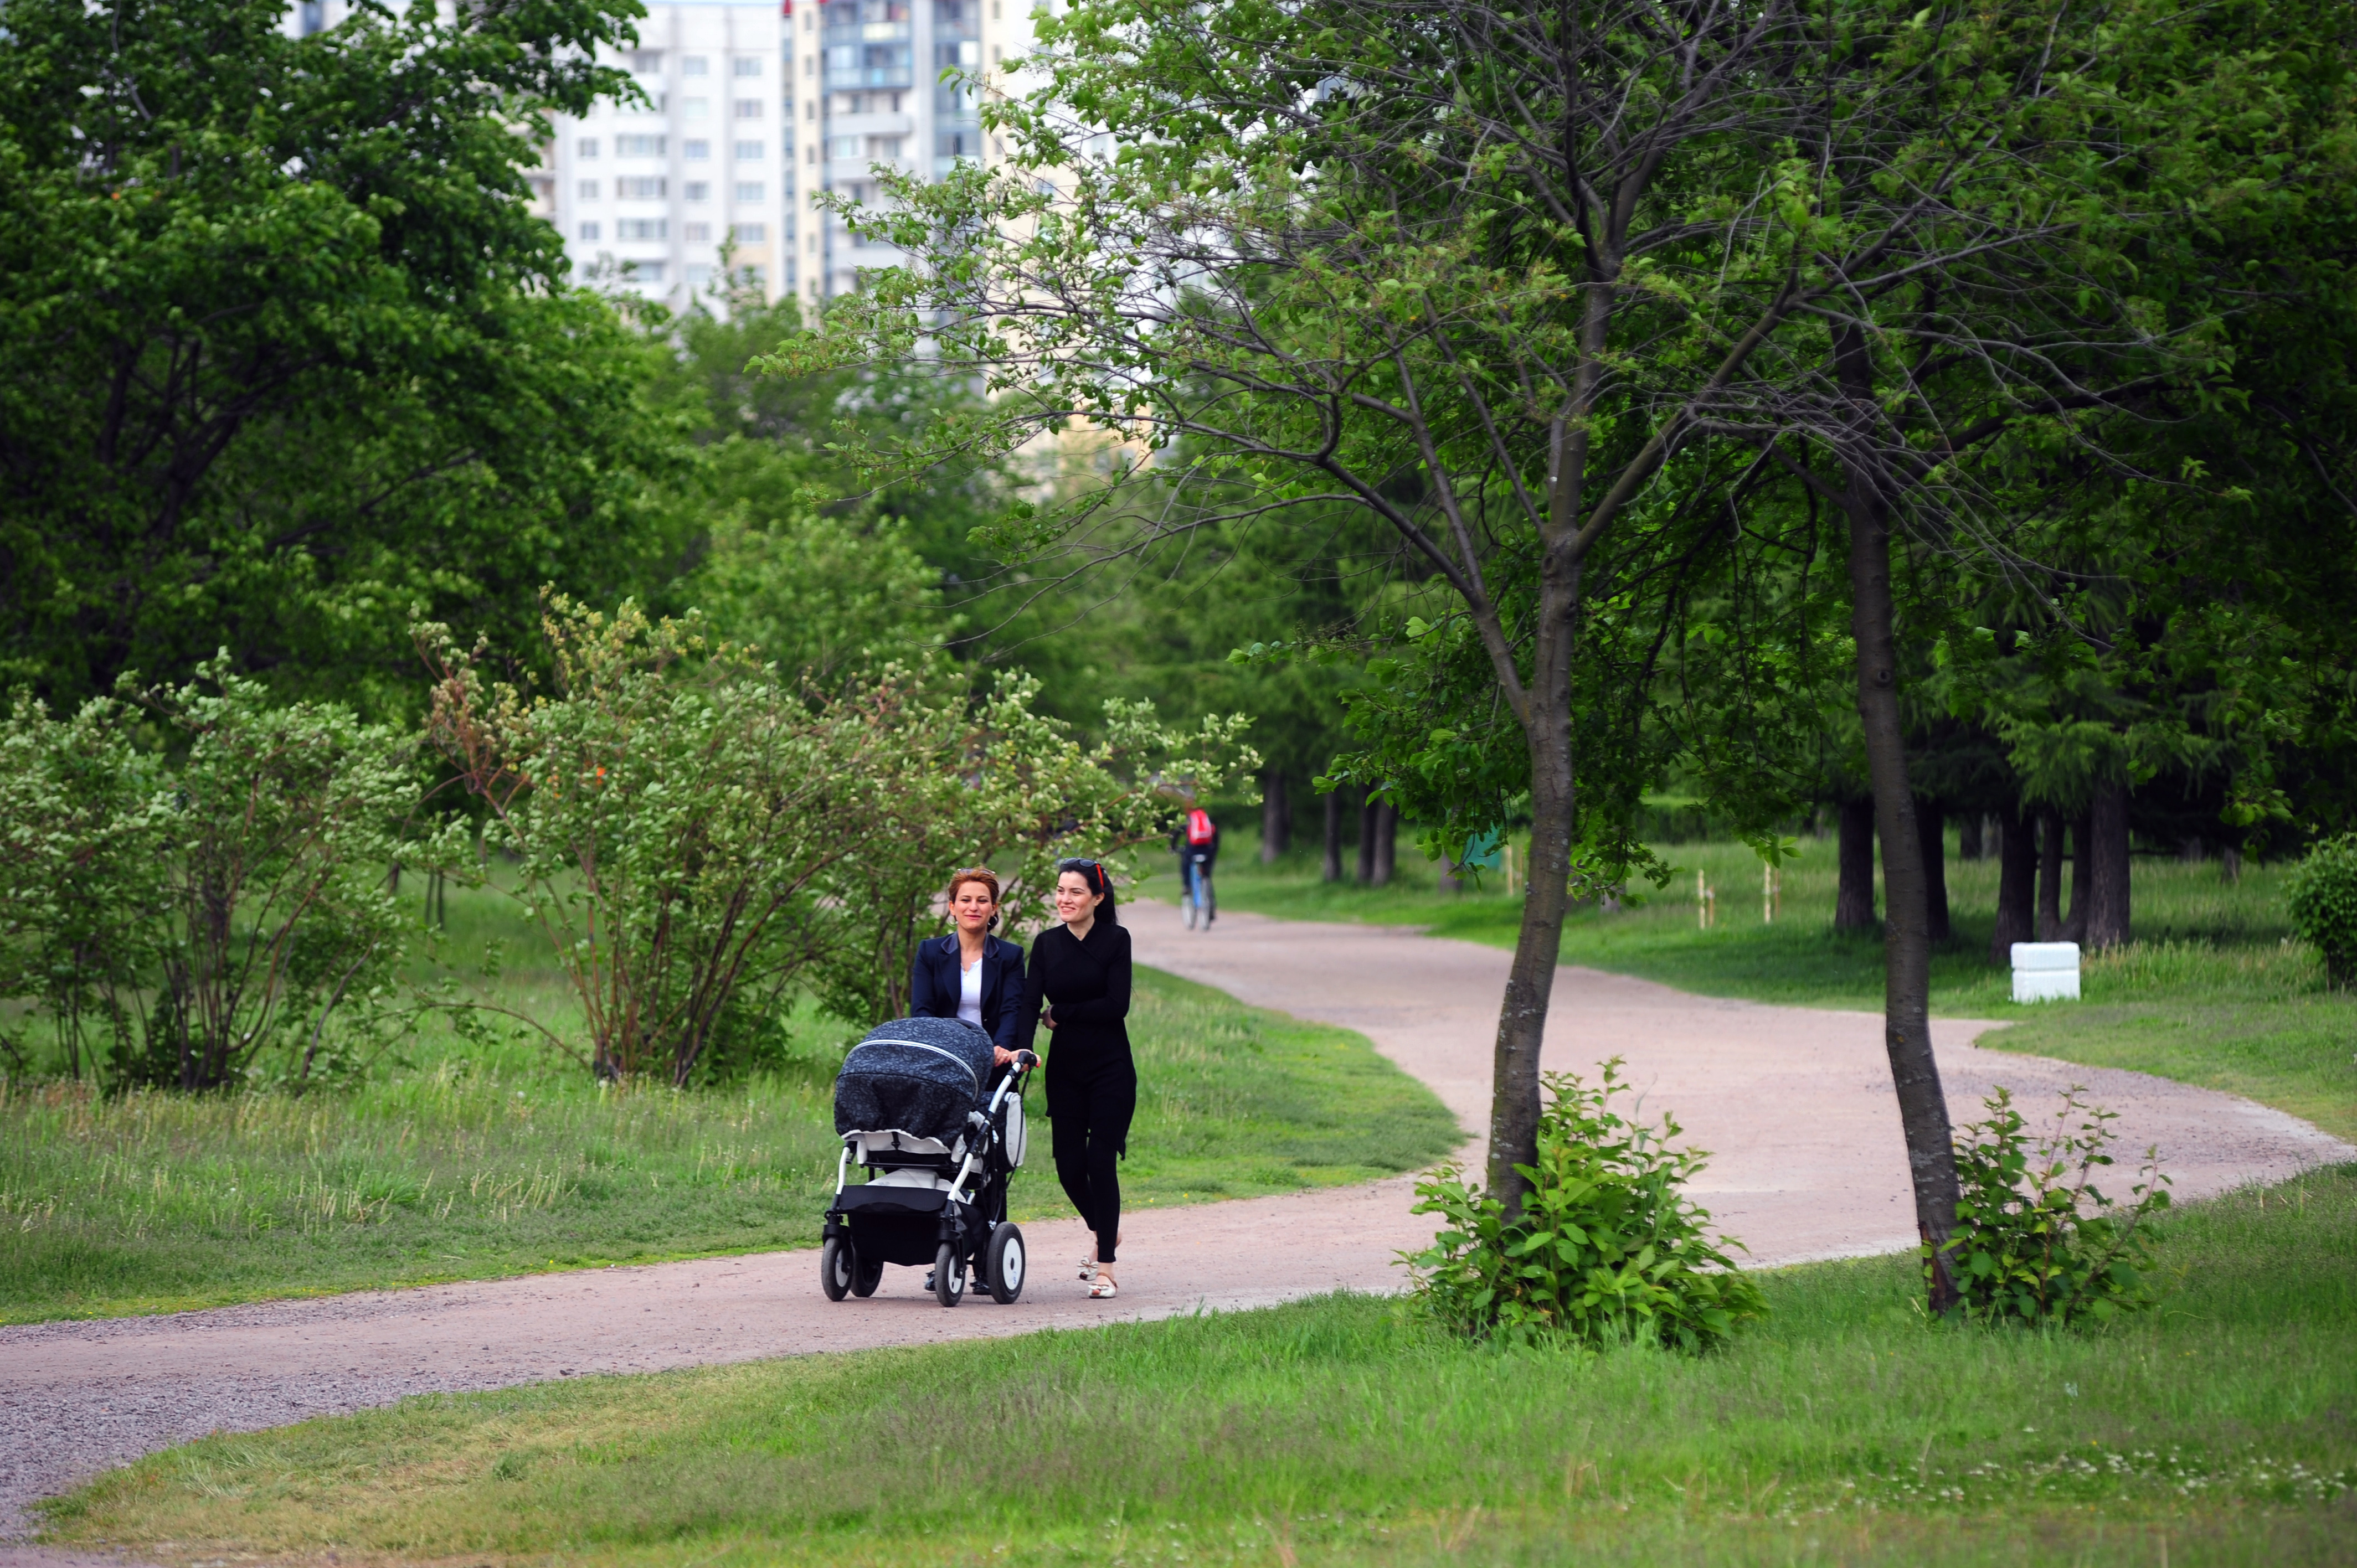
{"points": [[1201, 829]]}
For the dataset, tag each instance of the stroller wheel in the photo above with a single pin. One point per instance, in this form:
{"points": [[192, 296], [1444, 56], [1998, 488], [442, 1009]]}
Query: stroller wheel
{"points": [[865, 1278], [949, 1276], [1002, 1263], [836, 1264]]}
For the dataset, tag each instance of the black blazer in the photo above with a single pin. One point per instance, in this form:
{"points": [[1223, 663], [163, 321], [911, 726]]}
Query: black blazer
{"points": [[934, 985]]}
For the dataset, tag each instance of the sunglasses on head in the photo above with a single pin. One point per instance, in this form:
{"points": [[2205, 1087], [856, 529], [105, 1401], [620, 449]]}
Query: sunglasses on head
{"points": [[1076, 865]]}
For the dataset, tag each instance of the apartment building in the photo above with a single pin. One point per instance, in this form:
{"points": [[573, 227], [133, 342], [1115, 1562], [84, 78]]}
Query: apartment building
{"points": [[751, 109]]}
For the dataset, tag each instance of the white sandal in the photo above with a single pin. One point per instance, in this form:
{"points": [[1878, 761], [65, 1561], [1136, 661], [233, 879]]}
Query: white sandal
{"points": [[1088, 1268], [1102, 1288]]}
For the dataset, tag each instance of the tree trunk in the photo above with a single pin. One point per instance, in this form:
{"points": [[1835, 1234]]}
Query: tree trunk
{"points": [[2016, 887], [1907, 946], [1276, 817], [1333, 835], [1968, 836], [1386, 842], [1853, 897], [2107, 868], [2230, 863], [1931, 835], [2049, 874], [1367, 814], [2074, 924]]}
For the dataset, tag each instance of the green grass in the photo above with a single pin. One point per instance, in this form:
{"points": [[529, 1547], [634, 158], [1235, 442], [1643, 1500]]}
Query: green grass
{"points": [[467, 1161], [2213, 992], [2220, 1429]]}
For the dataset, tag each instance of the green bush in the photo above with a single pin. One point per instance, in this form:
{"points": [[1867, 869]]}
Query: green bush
{"points": [[2323, 896], [1606, 1248], [2036, 1241]]}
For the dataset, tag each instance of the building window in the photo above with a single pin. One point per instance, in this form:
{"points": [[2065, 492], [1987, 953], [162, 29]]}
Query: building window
{"points": [[842, 150], [646, 62], [642, 228], [695, 152], [646, 271], [751, 233], [696, 234], [749, 190], [639, 189], [756, 274], [750, 152], [696, 107], [694, 64], [637, 147], [697, 274], [883, 147], [747, 65], [586, 190], [585, 147], [589, 232], [697, 190], [748, 109]]}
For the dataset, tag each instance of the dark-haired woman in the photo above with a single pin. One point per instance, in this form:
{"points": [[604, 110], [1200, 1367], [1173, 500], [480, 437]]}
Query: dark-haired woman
{"points": [[1079, 988], [970, 974]]}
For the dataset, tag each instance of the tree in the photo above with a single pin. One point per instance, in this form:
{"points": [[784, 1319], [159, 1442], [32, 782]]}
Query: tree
{"points": [[283, 352], [1540, 289]]}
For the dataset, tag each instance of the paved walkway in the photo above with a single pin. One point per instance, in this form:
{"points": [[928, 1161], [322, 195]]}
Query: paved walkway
{"points": [[1795, 1102]]}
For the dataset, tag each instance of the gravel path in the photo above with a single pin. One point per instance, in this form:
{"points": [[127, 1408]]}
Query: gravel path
{"points": [[1794, 1102]]}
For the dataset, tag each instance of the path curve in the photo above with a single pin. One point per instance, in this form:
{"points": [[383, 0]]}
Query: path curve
{"points": [[1794, 1102]]}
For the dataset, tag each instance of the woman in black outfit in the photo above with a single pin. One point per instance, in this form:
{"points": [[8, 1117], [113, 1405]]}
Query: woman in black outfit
{"points": [[1079, 988]]}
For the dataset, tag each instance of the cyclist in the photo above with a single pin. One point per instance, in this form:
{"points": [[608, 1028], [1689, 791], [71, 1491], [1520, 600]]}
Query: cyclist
{"points": [[1197, 842]]}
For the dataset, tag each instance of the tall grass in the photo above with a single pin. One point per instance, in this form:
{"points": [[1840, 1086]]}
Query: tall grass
{"points": [[1842, 1429]]}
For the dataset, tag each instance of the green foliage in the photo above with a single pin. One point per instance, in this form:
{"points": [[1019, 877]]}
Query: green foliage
{"points": [[83, 823], [2322, 896], [697, 833], [283, 819], [1607, 1247], [283, 351], [202, 922], [2036, 1241]]}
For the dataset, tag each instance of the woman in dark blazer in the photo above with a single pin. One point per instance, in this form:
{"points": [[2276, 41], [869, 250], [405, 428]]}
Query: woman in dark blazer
{"points": [[970, 974], [1080, 988]]}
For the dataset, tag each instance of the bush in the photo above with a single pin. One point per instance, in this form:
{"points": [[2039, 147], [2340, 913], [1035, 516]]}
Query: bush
{"points": [[2036, 1241], [180, 924], [1606, 1248], [2323, 896], [701, 834]]}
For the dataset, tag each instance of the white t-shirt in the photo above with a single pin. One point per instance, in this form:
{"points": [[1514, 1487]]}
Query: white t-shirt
{"points": [[970, 993]]}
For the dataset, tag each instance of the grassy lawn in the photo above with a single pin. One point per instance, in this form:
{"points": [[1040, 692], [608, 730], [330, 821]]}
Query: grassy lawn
{"points": [[2213, 992], [457, 1163], [2220, 1429]]}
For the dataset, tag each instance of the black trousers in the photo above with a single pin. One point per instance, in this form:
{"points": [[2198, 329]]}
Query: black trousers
{"points": [[1089, 1108]]}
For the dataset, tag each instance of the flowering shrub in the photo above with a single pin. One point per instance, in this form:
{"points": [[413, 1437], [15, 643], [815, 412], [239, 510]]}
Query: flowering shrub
{"points": [[1607, 1247], [2036, 1241]]}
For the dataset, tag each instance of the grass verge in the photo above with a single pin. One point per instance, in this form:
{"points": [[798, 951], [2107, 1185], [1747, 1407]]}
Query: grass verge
{"points": [[464, 1168], [2220, 1429], [2214, 992]]}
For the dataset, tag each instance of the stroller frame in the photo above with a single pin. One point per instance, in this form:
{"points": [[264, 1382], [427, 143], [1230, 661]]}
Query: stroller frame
{"points": [[909, 1214]]}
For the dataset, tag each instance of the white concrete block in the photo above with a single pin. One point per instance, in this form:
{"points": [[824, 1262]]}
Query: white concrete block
{"points": [[2046, 971]]}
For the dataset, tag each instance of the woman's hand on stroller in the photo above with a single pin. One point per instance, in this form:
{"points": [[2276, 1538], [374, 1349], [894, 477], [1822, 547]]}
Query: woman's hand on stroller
{"points": [[1024, 1060]]}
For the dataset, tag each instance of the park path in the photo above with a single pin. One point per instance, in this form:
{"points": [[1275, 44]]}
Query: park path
{"points": [[1795, 1104]]}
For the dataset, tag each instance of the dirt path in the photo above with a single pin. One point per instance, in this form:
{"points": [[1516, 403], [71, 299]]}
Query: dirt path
{"points": [[1794, 1101]]}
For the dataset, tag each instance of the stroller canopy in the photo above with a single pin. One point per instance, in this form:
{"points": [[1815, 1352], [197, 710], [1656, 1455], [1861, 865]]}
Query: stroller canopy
{"points": [[920, 1075]]}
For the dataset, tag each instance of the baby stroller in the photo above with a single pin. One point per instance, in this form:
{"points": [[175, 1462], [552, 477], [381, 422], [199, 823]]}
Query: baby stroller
{"points": [[917, 1108]]}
